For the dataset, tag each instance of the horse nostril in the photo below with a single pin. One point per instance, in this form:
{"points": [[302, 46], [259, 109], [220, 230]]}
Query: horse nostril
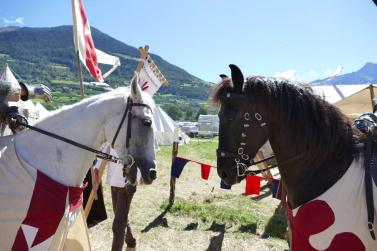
{"points": [[153, 174], [224, 175]]}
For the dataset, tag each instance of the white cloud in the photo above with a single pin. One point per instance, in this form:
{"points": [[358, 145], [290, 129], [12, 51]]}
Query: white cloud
{"points": [[289, 74], [333, 73], [19, 20]]}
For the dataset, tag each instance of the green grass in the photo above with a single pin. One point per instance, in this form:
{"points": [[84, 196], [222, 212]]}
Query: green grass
{"points": [[60, 81], [203, 150], [239, 213]]}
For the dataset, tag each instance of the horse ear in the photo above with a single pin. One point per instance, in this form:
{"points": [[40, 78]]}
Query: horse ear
{"points": [[223, 76], [237, 78], [135, 88]]}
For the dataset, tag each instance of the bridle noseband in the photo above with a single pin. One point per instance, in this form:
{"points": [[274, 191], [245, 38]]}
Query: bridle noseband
{"points": [[240, 156]]}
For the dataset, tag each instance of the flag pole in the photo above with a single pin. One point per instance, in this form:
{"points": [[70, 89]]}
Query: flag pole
{"points": [[79, 73], [144, 56]]}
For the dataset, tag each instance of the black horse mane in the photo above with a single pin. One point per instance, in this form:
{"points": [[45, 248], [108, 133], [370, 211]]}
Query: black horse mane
{"points": [[316, 127]]}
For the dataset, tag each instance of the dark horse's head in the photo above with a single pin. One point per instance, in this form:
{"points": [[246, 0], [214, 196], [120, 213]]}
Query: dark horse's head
{"points": [[299, 125], [240, 128]]}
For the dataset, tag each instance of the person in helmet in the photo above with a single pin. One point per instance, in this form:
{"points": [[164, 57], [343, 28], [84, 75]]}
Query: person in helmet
{"points": [[11, 91]]}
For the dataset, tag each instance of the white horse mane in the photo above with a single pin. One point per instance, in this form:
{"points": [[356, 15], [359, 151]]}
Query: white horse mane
{"points": [[118, 92]]}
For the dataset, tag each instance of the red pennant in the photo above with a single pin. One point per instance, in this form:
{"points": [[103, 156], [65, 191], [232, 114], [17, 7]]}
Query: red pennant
{"points": [[252, 185], [206, 169]]}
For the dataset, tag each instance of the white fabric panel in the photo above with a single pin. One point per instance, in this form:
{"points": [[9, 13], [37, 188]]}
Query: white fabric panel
{"points": [[149, 82], [79, 36], [104, 58]]}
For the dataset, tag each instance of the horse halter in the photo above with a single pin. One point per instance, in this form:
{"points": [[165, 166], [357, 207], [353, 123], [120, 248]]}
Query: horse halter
{"points": [[128, 113], [240, 156]]}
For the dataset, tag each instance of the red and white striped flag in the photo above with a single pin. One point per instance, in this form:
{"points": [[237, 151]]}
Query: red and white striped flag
{"points": [[83, 40]]}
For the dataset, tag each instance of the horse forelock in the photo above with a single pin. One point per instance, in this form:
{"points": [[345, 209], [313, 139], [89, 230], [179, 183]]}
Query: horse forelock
{"points": [[218, 91]]}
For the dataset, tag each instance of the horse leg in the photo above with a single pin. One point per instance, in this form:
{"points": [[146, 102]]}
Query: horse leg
{"points": [[122, 200]]}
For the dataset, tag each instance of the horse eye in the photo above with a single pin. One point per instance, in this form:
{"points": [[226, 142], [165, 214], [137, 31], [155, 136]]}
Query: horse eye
{"points": [[147, 122]]}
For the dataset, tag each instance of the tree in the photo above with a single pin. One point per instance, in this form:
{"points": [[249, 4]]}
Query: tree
{"points": [[202, 111], [174, 112], [189, 114]]}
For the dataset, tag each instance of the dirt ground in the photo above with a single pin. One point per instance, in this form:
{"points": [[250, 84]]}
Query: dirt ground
{"points": [[156, 229]]}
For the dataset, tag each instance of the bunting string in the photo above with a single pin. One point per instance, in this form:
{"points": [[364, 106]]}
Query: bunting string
{"points": [[253, 181]]}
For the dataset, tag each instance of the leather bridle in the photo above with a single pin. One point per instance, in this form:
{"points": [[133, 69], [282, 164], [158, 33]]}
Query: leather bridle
{"points": [[128, 113], [243, 160]]}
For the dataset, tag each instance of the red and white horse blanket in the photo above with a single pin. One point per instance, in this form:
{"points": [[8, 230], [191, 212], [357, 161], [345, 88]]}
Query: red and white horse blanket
{"points": [[32, 206], [337, 219]]}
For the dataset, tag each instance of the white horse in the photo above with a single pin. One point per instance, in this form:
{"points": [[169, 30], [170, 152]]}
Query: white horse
{"points": [[33, 165]]}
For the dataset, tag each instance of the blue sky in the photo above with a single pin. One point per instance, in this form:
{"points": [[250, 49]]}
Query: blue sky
{"points": [[299, 39]]}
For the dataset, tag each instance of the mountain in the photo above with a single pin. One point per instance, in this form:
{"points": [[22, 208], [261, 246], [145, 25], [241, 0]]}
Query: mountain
{"points": [[46, 55], [367, 74]]}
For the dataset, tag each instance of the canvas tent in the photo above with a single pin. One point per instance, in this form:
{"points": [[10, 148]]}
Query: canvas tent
{"points": [[352, 100], [166, 128]]}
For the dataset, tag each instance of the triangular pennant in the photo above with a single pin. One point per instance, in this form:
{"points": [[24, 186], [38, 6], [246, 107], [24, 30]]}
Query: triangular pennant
{"points": [[205, 170], [223, 185], [177, 166], [252, 185]]}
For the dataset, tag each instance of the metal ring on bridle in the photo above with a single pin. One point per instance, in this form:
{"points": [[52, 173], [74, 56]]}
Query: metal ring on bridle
{"points": [[245, 157], [131, 162], [258, 116], [240, 151], [247, 116]]}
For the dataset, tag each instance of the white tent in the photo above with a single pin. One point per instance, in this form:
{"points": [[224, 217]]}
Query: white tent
{"points": [[166, 128], [43, 112], [7, 75], [352, 100]]}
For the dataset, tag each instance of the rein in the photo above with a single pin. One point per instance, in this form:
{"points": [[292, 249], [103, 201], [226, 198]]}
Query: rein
{"points": [[99, 154]]}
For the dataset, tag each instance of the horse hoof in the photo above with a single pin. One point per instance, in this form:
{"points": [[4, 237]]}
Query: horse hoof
{"points": [[130, 249]]}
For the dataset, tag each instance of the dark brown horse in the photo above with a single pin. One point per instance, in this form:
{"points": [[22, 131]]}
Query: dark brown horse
{"points": [[313, 142]]}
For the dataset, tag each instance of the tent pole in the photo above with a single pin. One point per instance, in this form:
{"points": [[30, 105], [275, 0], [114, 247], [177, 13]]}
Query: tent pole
{"points": [[371, 89], [79, 73]]}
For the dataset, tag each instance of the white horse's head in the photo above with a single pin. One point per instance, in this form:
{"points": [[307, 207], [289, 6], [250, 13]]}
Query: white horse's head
{"points": [[138, 130]]}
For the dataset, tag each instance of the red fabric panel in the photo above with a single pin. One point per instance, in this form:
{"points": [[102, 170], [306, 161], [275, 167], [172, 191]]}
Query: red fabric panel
{"points": [[90, 53], [75, 198], [252, 185], [307, 223], [45, 212], [205, 170]]}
